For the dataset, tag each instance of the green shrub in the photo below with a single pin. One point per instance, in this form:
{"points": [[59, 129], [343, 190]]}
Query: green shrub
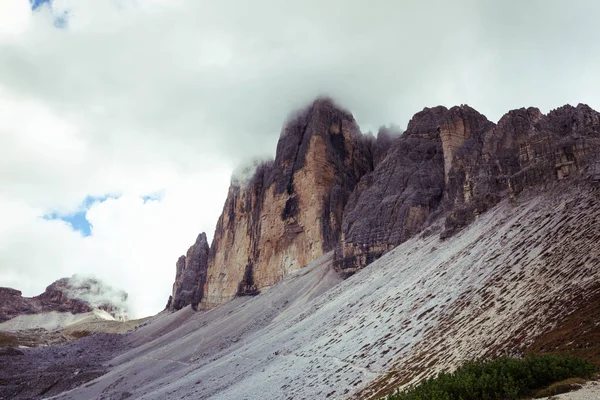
{"points": [[504, 378]]}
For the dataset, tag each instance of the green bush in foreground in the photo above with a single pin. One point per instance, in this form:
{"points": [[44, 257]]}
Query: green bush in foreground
{"points": [[504, 378]]}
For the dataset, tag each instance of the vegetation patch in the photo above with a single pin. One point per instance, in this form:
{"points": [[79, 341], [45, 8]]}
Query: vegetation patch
{"points": [[8, 340], [578, 334], [80, 334], [504, 378], [561, 387]]}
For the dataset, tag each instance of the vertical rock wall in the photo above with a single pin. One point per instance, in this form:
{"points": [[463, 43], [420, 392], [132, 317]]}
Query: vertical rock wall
{"points": [[329, 187], [190, 275], [393, 202], [290, 212]]}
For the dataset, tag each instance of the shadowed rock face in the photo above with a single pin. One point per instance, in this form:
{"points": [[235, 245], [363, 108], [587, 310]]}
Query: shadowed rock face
{"points": [[393, 202], [331, 188], [63, 295], [481, 163], [383, 143], [190, 275], [12, 303], [526, 149]]}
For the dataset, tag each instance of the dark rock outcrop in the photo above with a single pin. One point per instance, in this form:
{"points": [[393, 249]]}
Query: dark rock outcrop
{"points": [[12, 303], [73, 295], [526, 149], [382, 144], [190, 275], [482, 164], [393, 202]]}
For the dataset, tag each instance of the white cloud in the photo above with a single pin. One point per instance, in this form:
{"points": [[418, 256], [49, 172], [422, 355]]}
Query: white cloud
{"points": [[134, 244], [142, 96], [15, 16]]}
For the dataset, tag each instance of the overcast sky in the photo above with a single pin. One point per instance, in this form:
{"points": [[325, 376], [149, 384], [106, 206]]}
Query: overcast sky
{"points": [[121, 120]]}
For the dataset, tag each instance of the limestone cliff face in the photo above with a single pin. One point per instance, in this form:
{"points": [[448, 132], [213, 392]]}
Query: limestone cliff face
{"points": [[456, 164], [234, 245], [190, 275], [460, 131], [290, 212], [526, 149], [331, 188], [393, 202]]}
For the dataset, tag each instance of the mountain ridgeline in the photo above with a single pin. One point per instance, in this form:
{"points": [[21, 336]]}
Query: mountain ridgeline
{"points": [[74, 295], [331, 188]]}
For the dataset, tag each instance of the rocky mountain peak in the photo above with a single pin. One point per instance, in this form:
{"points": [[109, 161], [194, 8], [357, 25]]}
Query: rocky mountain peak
{"points": [[190, 275], [426, 122], [569, 120], [461, 123], [332, 188], [75, 294], [394, 201], [322, 127], [289, 212]]}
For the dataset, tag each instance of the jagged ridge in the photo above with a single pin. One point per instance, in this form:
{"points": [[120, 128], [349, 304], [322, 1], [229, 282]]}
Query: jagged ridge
{"points": [[330, 187]]}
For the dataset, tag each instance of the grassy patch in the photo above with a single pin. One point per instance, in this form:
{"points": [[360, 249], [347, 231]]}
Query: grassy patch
{"points": [[577, 334], [80, 334], [501, 379], [568, 385], [7, 340]]}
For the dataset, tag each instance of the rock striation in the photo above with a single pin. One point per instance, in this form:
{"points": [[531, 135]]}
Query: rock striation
{"points": [[393, 202], [526, 149], [332, 188], [74, 295]]}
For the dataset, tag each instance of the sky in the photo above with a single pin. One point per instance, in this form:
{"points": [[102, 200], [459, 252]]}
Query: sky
{"points": [[121, 121]]}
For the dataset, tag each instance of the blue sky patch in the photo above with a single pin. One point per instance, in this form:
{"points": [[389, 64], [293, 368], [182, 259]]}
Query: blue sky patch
{"points": [[35, 4], [77, 219], [61, 19], [152, 197]]}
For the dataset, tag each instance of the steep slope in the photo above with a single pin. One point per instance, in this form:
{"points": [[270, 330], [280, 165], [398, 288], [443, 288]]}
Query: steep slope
{"points": [[492, 288]]}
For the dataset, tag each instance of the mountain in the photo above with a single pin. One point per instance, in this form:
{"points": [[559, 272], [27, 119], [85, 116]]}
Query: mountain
{"points": [[332, 188], [351, 265], [75, 295], [288, 213]]}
